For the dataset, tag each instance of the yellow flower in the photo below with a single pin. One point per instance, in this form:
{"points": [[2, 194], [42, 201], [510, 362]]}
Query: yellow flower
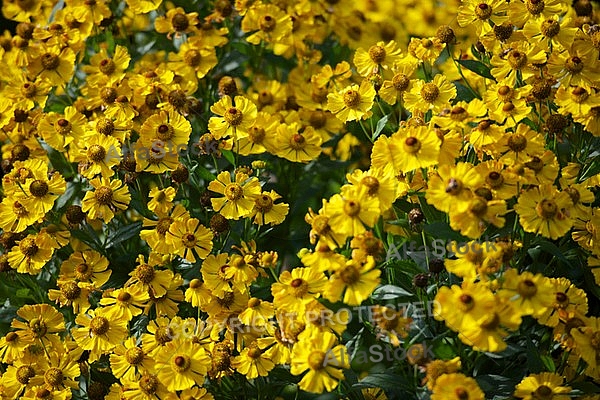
{"points": [[235, 120], [88, 268], [161, 199], [98, 155], [479, 13], [98, 333], [155, 282], [53, 64], [323, 359], [125, 303], [182, 364], [519, 60], [169, 128], [354, 282], [297, 288], [479, 214], [450, 189], [31, 253], [544, 210], [569, 301], [253, 362], [104, 69], [353, 102], [177, 22], [461, 307], [546, 385], [59, 131], [239, 196], [295, 146], [269, 23], [194, 59], [41, 325], [106, 198], [266, 212], [519, 12], [531, 294], [190, 239], [456, 386], [352, 211], [128, 360], [381, 55], [418, 147], [434, 95]]}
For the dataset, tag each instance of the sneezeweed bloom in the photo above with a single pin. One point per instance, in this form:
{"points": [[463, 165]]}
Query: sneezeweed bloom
{"points": [[545, 211], [177, 22], [157, 235], [456, 386], [31, 253], [235, 118], [70, 294], [419, 147], [297, 146], [569, 301], [551, 33], [106, 198], [98, 333], [450, 189], [297, 288], [181, 364], [392, 90], [161, 200], [128, 360], [266, 212], [190, 239], [98, 155], [518, 63], [479, 214], [586, 337], [170, 128], [59, 131], [574, 67], [270, 24], [352, 211], [106, 69], [353, 102], [148, 386], [434, 95], [194, 59], [124, 303], [253, 362], [53, 64], [354, 282], [381, 56], [41, 325], [520, 12], [322, 358], [88, 268], [546, 385], [239, 195], [479, 13], [531, 294]]}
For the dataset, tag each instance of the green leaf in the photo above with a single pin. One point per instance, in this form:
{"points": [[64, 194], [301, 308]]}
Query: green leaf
{"points": [[551, 248], [380, 125], [124, 233], [228, 154], [386, 381], [389, 292], [23, 293], [478, 67]]}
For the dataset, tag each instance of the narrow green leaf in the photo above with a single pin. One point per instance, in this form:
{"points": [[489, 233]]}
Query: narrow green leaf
{"points": [[380, 125], [389, 292], [228, 154], [478, 67], [124, 233]]}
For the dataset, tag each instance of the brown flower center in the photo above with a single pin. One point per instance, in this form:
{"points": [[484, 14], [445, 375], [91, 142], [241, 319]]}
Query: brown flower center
{"points": [[527, 288], [543, 392], [351, 208], [351, 98], [104, 195], [547, 209], [38, 188], [180, 22], [24, 374], [28, 247], [233, 192], [430, 92], [517, 59], [349, 275], [483, 11], [134, 356], [400, 82], [165, 132], [96, 153], [267, 23], [192, 57], [535, 7], [50, 61], [316, 360], [454, 187], [550, 28], [149, 384], [233, 116], [99, 325], [574, 65], [53, 377], [377, 54], [264, 203], [517, 143], [145, 273]]}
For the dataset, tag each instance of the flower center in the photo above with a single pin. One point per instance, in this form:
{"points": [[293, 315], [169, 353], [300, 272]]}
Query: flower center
{"points": [[145, 273], [233, 116], [83, 272], [107, 66], [62, 126], [412, 145], [104, 195], [483, 11], [300, 287], [574, 65], [351, 98], [50, 61], [400, 82], [165, 132], [96, 153], [164, 335], [180, 22], [579, 94], [351, 208], [550, 28], [371, 183], [535, 164], [24, 374], [535, 7], [350, 275], [317, 119], [467, 302], [38, 188], [543, 392], [29, 90], [430, 92], [265, 98], [163, 225], [377, 54], [19, 209], [149, 384], [227, 300], [53, 377], [479, 206], [298, 141], [234, 192], [267, 23], [454, 186], [494, 179], [527, 288], [517, 59], [461, 393], [547, 209], [28, 247], [134, 356], [316, 360], [192, 58], [264, 203], [503, 31], [99, 325], [573, 194], [124, 297], [508, 107], [517, 143], [254, 352]]}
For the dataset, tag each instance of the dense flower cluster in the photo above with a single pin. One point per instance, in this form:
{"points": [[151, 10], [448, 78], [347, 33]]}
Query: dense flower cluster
{"points": [[199, 199]]}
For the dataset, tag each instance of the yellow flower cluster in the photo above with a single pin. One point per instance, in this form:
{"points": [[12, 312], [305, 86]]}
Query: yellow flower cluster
{"points": [[197, 197]]}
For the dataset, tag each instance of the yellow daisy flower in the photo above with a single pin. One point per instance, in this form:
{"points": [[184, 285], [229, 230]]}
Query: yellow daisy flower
{"points": [[239, 196], [353, 102]]}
